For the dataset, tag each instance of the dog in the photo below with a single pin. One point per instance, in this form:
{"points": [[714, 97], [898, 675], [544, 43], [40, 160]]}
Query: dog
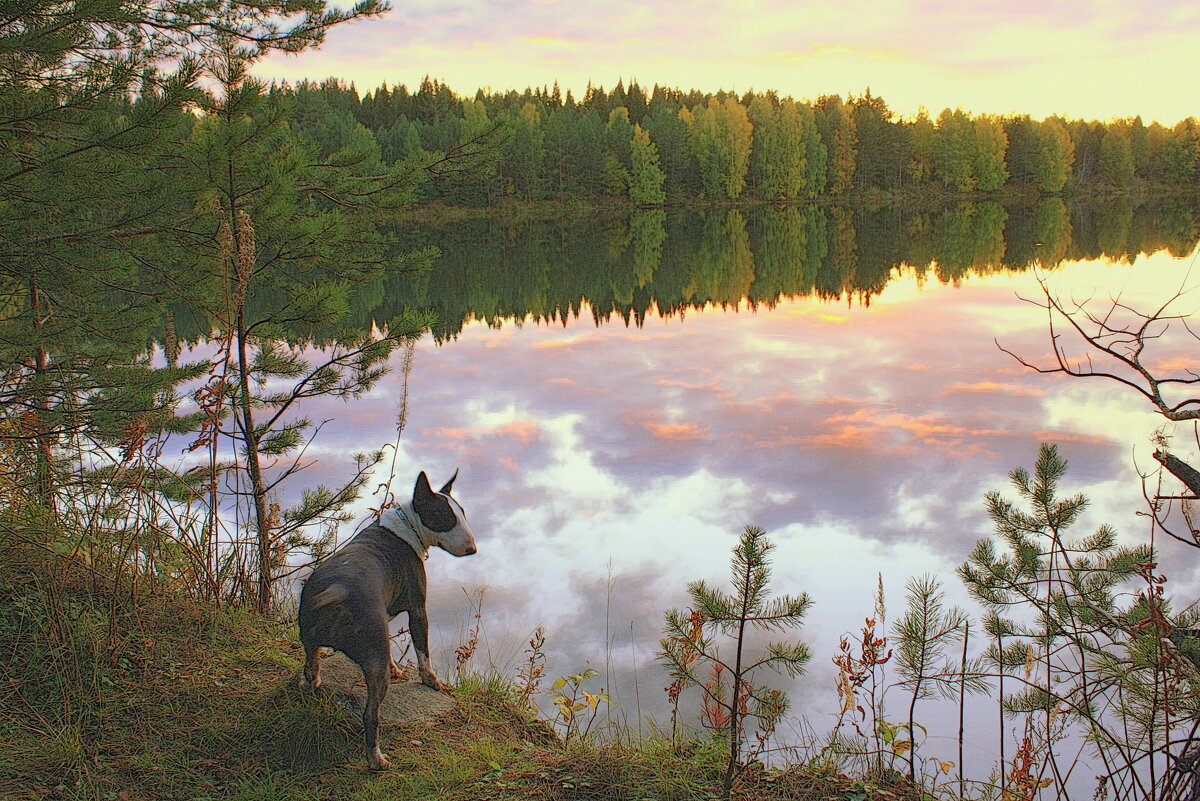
{"points": [[348, 600]]}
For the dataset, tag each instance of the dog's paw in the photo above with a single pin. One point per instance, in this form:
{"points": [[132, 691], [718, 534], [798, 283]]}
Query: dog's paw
{"points": [[433, 682], [378, 761]]}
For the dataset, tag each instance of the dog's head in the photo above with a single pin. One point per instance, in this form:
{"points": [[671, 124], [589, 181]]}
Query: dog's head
{"points": [[442, 516]]}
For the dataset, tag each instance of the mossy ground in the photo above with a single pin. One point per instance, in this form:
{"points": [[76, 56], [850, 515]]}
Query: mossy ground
{"points": [[107, 698]]}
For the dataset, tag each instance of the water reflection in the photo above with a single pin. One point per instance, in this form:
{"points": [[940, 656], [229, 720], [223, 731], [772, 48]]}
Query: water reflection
{"points": [[630, 266], [604, 467], [828, 373]]}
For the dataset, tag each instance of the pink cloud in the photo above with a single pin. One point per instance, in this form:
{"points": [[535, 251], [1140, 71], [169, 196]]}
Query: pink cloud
{"points": [[524, 431], [988, 387], [676, 431]]}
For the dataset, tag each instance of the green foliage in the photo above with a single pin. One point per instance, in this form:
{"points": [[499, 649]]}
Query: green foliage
{"points": [[787, 161], [882, 145], [1116, 156], [690, 643], [537, 143], [570, 698], [720, 133], [646, 177], [954, 151], [1064, 629], [282, 235], [835, 121], [524, 154], [922, 637], [1054, 155], [97, 128], [990, 145]]}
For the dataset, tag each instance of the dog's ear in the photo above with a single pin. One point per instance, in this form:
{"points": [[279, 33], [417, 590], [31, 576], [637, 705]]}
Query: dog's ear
{"points": [[422, 490], [449, 484], [433, 509]]}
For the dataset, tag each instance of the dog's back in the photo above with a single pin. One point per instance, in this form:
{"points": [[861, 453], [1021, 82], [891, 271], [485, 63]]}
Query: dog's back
{"points": [[348, 600]]}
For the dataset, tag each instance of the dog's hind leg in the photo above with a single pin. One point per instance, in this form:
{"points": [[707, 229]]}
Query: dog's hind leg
{"points": [[375, 670], [418, 625], [312, 666]]}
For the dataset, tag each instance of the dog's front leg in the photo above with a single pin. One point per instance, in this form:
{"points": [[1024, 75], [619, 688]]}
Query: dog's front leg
{"points": [[418, 625]]}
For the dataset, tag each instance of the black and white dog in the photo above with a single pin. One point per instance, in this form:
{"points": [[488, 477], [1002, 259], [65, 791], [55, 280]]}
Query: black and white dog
{"points": [[348, 600]]}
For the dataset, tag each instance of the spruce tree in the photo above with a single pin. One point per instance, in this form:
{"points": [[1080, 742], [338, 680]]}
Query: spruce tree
{"points": [[645, 176]]}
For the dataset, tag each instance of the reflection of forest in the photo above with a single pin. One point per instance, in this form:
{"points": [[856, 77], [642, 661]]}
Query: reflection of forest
{"points": [[628, 266]]}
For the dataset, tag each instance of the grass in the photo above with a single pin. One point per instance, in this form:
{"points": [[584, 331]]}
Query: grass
{"points": [[106, 699]]}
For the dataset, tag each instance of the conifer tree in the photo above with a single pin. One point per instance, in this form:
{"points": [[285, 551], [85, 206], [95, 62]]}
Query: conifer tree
{"points": [[645, 176], [1064, 635], [691, 643], [282, 237], [92, 104], [922, 635]]}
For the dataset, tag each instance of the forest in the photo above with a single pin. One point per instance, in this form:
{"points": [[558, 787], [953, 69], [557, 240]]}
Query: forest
{"points": [[670, 145]]}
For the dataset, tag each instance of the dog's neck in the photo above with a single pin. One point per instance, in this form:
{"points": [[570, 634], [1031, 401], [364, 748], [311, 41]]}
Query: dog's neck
{"points": [[405, 523]]}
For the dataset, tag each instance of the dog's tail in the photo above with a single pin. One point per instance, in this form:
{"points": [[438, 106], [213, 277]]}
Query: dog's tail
{"points": [[334, 594]]}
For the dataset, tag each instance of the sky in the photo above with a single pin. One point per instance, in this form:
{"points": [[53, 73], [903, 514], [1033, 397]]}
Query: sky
{"points": [[1092, 59]]}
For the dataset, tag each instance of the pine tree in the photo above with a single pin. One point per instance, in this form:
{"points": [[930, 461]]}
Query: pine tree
{"points": [[1068, 631], [283, 235], [922, 636], [93, 100], [690, 644]]}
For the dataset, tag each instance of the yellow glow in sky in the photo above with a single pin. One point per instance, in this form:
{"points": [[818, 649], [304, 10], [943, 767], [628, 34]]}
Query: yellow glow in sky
{"points": [[1084, 59]]}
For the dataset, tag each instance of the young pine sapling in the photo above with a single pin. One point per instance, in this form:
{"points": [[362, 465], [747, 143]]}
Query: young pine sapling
{"points": [[690, 645]]}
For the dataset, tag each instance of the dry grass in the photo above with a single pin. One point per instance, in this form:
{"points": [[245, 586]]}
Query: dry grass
{"points": [[108, 699]]}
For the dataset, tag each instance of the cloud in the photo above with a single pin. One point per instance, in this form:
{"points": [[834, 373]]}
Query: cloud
{"points": [[996, 387], [676, 431]]}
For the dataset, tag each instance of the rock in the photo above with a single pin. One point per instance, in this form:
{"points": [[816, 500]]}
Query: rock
{"points": [[406, 701]]}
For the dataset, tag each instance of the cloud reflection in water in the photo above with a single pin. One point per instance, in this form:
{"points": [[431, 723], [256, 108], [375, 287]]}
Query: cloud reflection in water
{"points": [[605, 467]]}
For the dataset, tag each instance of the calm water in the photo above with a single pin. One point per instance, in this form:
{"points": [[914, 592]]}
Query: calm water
{"points": [[619, 413]]}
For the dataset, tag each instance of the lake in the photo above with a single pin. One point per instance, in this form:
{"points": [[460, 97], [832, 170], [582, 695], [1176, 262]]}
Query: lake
{"points": [[623, 395]]}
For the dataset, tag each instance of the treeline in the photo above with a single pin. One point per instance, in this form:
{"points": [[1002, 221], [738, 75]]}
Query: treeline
{"points": [[667, 145]]}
